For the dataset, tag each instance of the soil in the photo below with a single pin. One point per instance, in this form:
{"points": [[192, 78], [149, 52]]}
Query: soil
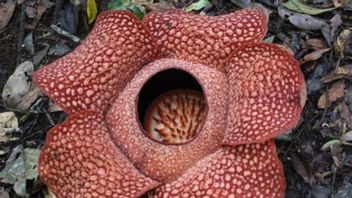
{"points": [[310, 170]]}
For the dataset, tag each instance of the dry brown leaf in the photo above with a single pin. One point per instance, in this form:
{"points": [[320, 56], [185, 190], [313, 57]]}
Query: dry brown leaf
{"points": [[344, 40], [6, 12], [336, 91], [339, 73], [315, 43], [315, 55]]}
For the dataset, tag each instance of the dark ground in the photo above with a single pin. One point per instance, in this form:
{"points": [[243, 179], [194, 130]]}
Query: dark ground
{"points": [[310, 171]]}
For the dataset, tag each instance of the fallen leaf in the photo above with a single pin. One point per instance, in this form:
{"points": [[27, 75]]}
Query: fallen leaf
{"points": [[335, 23], [270, 39], [320, 191], [160, 6], [241, 3], [21, 166], [197, 5], [68, 18], [296, 5], [315, 55], [315, 43], [338, 155], [39, 55], [302, 168], [18, 84], [335, 92], [344, 191], [6, 12], [346, 138], [343, 41], [339, 73], [306, 22], [28, 43], [8, 125]]}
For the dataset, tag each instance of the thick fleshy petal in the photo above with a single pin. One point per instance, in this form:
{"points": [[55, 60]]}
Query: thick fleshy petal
{"points": [[267, 92], [165, 162], [92, 75], [80, 160], [245, 171], [206, 39]]}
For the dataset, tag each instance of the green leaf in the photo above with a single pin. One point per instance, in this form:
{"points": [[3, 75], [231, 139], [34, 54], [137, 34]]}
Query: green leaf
{"points": [[197, 5], [92, 10], [136, 11], [270, 39], [126, 5], [118, 4], [296, 5]]}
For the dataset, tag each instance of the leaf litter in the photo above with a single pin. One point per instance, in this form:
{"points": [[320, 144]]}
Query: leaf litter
{"points": [[317, 32]]}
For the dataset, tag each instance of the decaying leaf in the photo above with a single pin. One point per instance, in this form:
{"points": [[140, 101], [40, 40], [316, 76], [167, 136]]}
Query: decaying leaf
{"points": [[18, 84], [28, 43], [6, 12], [343, 42], [346, 138], [315, 55], [8, 124], [20, 166], [338, 73], [36, 9], [306, 22], [315, 43], [241, 3], [296, 5], [335, 92], [335, 23], [301, 167], [338, 155], [160, 6]]}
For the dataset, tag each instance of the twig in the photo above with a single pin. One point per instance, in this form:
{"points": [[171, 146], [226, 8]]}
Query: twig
{"points": [[65, 34]]}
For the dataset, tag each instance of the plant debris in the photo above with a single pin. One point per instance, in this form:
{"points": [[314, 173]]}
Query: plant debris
{"points": [[316, 155]]}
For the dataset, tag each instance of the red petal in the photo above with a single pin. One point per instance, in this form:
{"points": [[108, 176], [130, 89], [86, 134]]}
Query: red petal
{"points": [[266, 87], [155, 159], [94, 73], [79, 160], [251, 170], [204, 39]]}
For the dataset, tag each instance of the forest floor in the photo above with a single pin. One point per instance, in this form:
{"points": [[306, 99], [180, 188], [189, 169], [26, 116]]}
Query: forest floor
{"points": [[316, 155]]}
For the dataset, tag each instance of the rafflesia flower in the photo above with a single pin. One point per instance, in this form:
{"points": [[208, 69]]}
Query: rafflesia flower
{"points": [[179, 105]]}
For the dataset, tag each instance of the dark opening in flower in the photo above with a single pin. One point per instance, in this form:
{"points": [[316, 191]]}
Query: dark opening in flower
{"points": [[172, 107]]}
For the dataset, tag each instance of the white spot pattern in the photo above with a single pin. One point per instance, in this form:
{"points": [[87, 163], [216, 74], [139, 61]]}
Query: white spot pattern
{"points": [[80, 160], [116, 48], [245, 171], [265, 90], [204, 39], [166, 162]]}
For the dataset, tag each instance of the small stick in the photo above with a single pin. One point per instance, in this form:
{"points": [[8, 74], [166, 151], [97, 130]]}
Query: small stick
{"points": [[65, 33]]}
